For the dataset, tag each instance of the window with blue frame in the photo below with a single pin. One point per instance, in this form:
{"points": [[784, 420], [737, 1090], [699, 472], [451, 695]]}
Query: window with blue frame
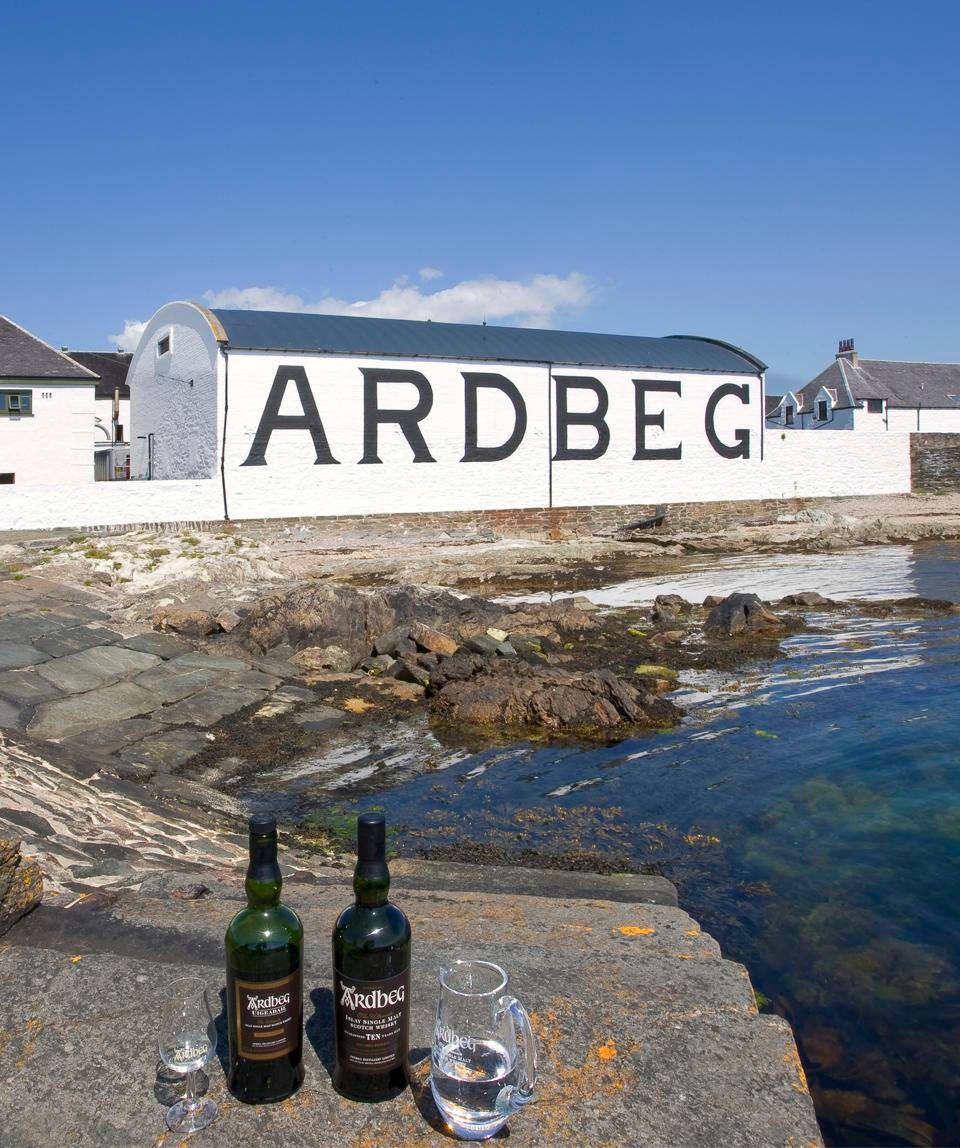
{"points": [[16, 403]]}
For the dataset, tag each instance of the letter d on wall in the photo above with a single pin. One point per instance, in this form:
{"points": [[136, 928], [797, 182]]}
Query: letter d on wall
{"points": [[472, 382]]}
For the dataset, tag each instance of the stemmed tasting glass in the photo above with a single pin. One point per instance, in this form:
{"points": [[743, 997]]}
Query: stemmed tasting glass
{"points": [[187, 1038]]}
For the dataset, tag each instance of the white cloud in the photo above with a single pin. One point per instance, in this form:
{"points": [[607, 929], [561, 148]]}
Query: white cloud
{"points": [[530, 303], [129, 337], [429, 273]]}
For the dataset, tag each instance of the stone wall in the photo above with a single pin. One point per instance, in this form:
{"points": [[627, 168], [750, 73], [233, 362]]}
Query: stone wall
{"points": [[934, 463]]}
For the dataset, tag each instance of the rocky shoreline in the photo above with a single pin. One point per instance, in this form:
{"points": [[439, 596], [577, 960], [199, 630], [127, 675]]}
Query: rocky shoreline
{"points": [[120, 753]]}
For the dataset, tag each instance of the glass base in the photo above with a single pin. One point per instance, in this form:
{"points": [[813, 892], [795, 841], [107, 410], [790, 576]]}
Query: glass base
{"points": [[479, 1130], [187, 1119]]}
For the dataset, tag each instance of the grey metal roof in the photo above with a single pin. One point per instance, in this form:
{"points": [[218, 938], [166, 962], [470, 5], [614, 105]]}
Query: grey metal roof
{"points": [[24, 356], [901, 384], [412, 338], [111, 366]]}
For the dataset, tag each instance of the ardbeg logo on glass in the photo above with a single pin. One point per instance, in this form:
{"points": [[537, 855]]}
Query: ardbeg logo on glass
{"points": [[371, 978], [264, 946]]}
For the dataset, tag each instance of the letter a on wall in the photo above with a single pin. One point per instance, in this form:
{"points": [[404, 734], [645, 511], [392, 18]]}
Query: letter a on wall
{"points": [[272, 420]]}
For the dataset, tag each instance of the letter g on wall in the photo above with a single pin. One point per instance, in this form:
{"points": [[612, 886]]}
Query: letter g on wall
{"points": [[742, 449]]}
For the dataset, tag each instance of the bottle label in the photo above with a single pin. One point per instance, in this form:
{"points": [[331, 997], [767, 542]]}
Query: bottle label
{"points": [[268, 1017], [372, 1022]]}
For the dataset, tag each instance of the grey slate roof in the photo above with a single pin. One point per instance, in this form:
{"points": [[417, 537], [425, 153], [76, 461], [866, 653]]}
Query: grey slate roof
{"points": [[770, 404], [24, 356], [411, 338], [901, 384], [112, 368]]}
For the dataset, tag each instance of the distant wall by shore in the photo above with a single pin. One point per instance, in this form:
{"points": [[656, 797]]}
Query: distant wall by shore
{"points": [[793, 467], [935, 462]]}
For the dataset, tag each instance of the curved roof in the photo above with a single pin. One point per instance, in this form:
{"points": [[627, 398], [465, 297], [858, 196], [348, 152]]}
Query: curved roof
{"points": [[412, 338]]}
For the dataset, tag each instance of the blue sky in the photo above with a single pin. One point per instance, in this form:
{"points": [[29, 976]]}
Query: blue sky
{"points": [[778, 175]]}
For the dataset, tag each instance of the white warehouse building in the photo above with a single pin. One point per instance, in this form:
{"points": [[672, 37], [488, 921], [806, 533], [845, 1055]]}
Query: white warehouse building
{"points": [[321, 415]]}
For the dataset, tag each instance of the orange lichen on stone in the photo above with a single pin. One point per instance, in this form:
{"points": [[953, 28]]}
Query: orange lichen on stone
{"points": [[635, 931], [357, 705], [75, 958], [792, 1060], [607, 1051], [683, 956], [693, 932]]}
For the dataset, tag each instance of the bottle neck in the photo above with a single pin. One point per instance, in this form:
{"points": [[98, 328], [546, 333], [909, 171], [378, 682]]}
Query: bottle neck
{"points": [[264, 879], [371, 883]]}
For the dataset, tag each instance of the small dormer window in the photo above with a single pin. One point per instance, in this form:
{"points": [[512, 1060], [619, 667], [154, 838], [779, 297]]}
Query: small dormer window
{"points": [[163, 345], [822, 410], [788, 415], [875, 406]]}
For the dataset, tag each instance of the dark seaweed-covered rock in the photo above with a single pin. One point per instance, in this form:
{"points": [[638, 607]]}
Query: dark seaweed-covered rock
{"points": [[742, 614]]}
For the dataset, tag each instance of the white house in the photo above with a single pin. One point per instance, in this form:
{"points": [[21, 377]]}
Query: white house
{"points": [[47, 408], [874, 395], [332, 415]]}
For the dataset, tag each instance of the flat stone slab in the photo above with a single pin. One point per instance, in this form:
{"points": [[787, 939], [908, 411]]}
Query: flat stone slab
{"points": [[166, 750], [209, 706], [16, 655], [88, 669], [114, 736], [645, 1035], [26, 686], [12, 716], [171, 685], [26, 626], [153, 642], [197, 660], [88, 710], [76, 638]]}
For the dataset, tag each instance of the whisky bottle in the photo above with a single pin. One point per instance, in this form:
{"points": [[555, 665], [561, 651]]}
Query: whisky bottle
{"points": [[264, 956], [371, 978]]}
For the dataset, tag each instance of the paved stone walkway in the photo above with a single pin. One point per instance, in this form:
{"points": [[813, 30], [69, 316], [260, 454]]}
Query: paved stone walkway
{"points": [[646, 1035], [88, 717]]}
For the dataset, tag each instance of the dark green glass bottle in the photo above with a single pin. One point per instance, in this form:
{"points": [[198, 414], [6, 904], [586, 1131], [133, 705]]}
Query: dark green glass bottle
{"points": [[371, 978], [264, 950]]}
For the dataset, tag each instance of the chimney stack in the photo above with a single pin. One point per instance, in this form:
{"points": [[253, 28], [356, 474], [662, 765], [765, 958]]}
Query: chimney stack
{"points": [[846, 351]]}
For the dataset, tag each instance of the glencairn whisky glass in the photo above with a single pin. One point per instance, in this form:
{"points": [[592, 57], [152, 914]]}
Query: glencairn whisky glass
{"points": [[187, 1038]]}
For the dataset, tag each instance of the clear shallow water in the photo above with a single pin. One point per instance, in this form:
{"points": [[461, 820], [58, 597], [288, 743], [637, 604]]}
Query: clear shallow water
{"points": [[809, 812], [867, 572]]}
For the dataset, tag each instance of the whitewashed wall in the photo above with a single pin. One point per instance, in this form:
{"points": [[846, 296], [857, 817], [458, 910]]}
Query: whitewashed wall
{"points": [[53, 447], [939, 421], [174, 396], [699, 475], [108, 504], [291, 482]]}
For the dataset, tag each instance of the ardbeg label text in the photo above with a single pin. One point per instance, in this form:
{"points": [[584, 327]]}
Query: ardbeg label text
{"points": [[373, 1022], [268, 1017]]}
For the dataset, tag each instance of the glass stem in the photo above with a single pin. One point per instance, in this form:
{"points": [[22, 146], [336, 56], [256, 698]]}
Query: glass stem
{"points": [[190, 1098]]}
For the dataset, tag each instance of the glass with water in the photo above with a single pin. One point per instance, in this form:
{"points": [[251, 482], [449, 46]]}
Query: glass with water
{"points": [[478, 1074]]}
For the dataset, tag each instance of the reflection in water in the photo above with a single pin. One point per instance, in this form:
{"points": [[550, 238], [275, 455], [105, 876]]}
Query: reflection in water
{"points": [[809, 812]]}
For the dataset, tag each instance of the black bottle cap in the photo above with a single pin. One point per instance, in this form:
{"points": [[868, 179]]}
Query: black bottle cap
{"points": [[371, 837], [262, 823]]}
